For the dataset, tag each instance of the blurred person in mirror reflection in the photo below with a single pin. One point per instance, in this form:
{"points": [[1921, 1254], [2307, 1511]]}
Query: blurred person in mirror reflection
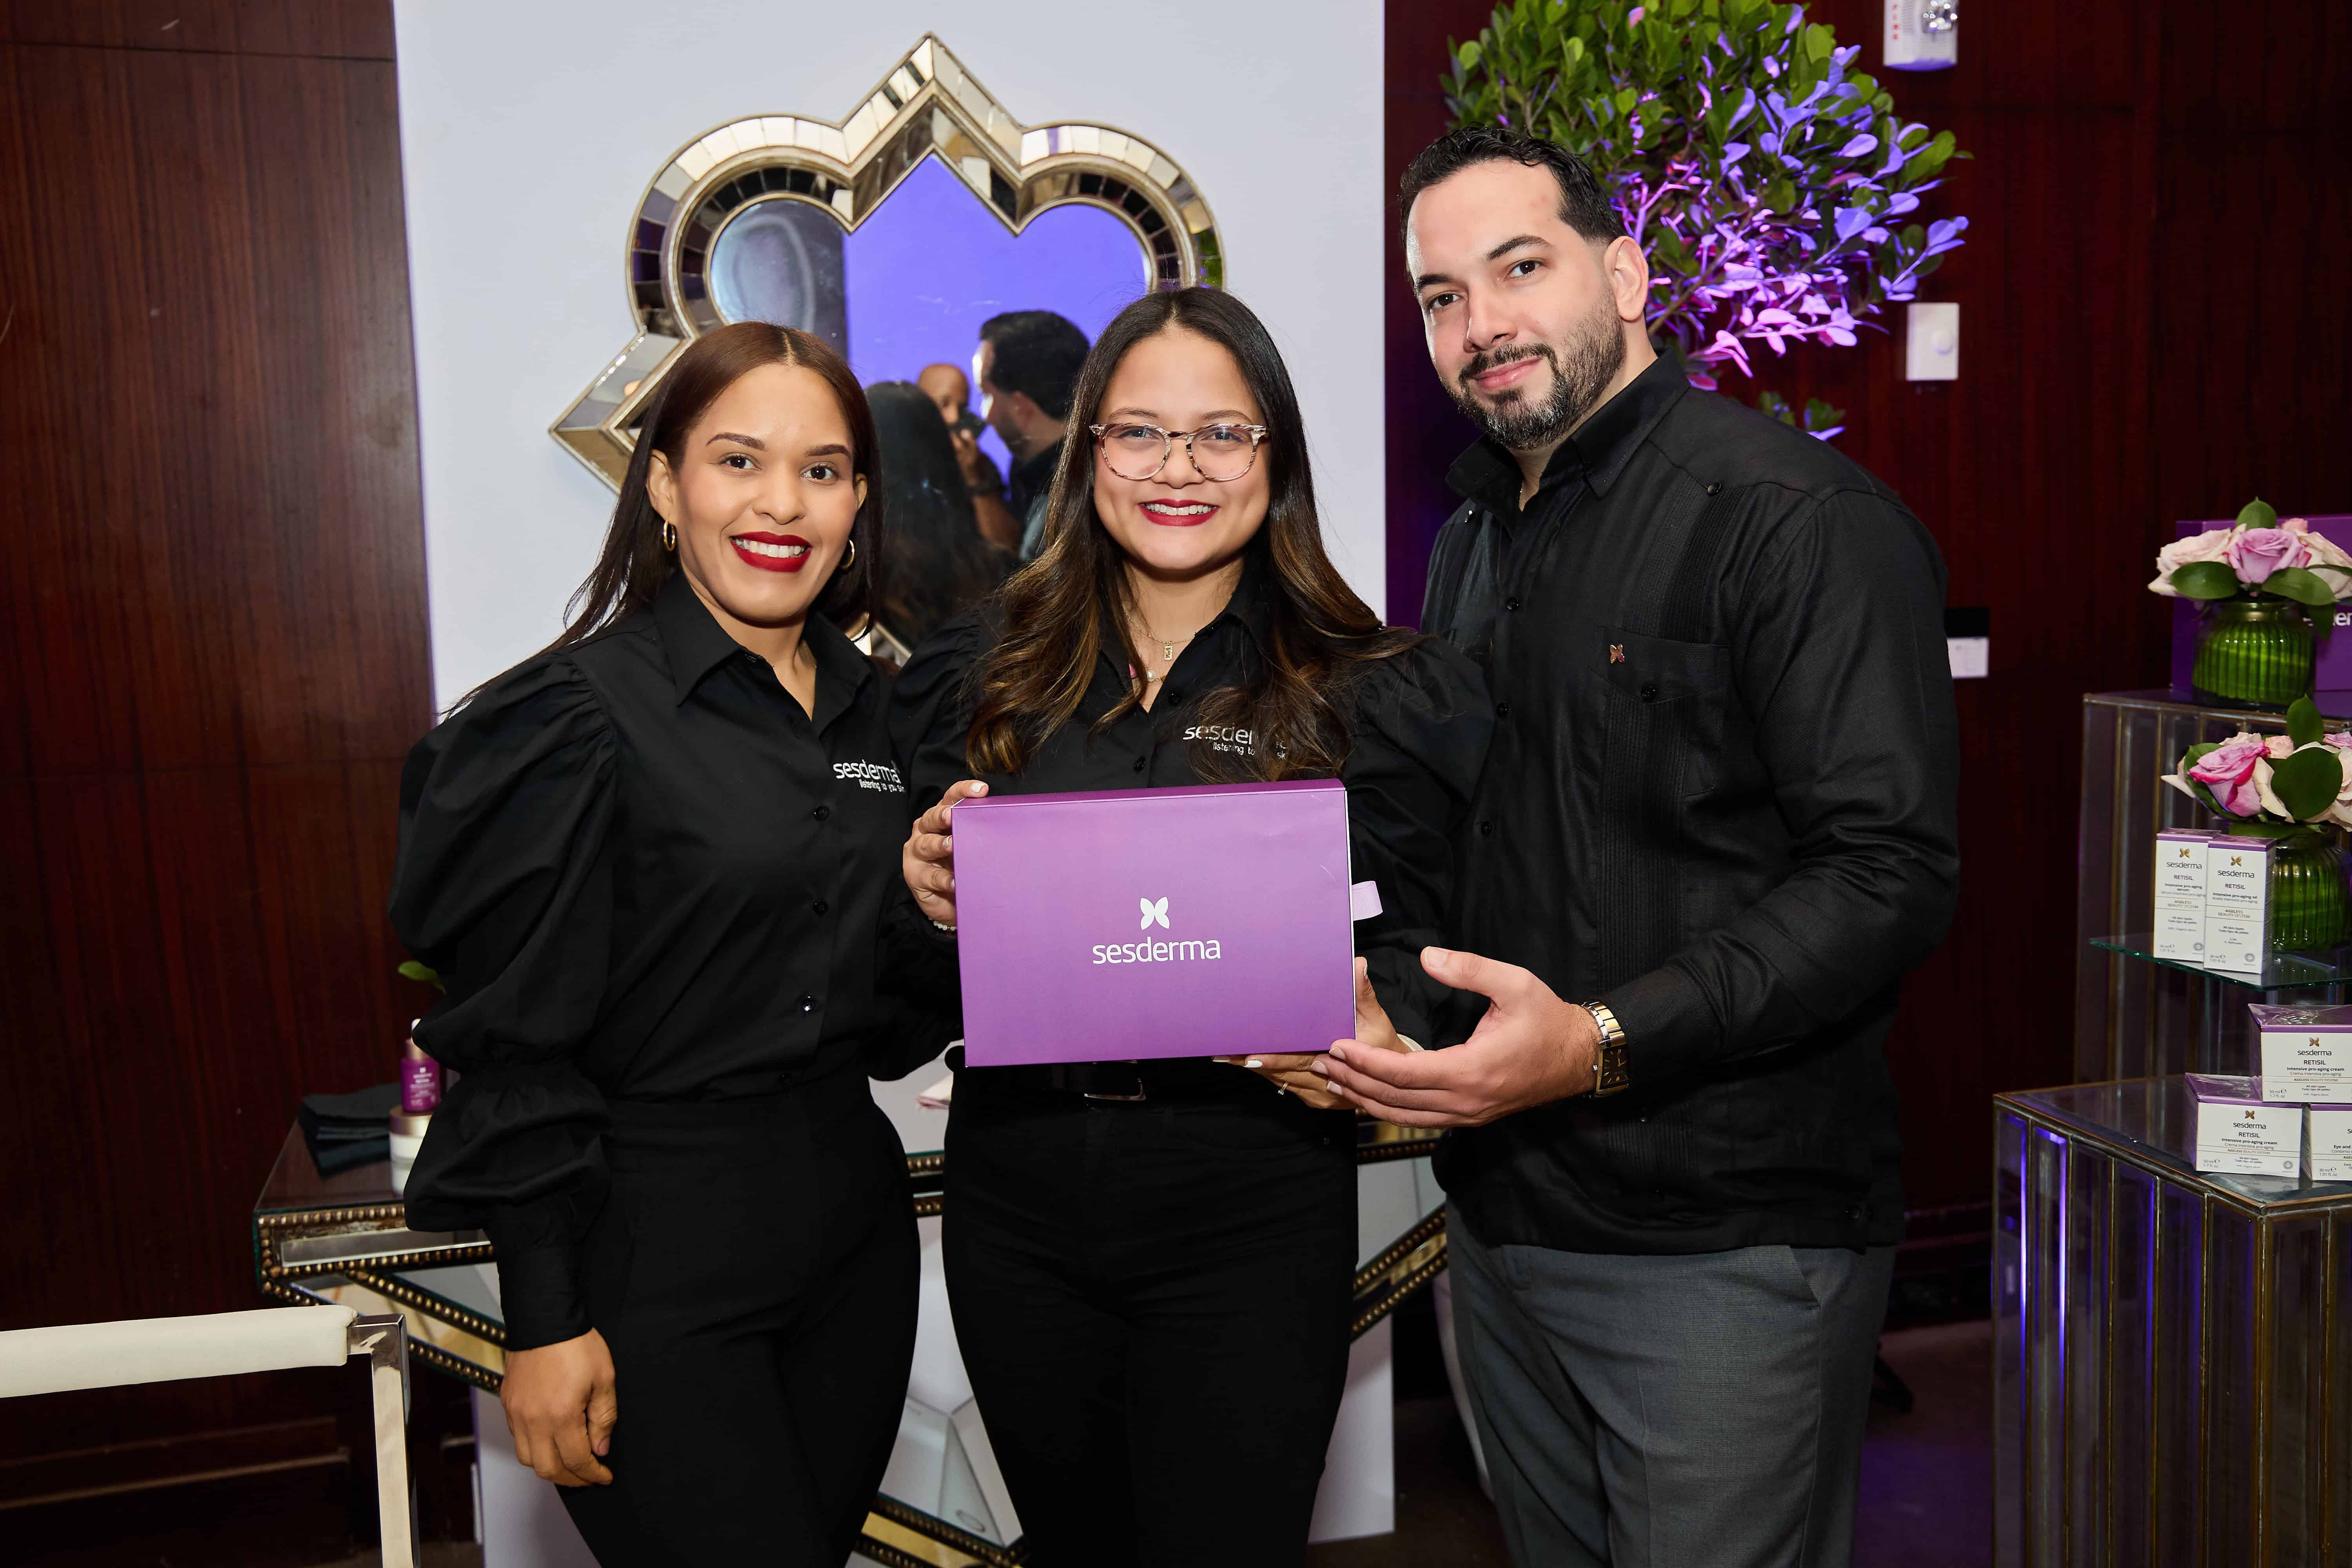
{"points": [[1151, 1264], [1719, 825], [1027, 367], [950, 392], [647, 864], [935, 562]]}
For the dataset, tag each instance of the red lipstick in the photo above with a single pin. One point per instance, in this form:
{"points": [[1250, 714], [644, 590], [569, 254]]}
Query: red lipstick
{"points": [[771, 551], [1184, 513]]}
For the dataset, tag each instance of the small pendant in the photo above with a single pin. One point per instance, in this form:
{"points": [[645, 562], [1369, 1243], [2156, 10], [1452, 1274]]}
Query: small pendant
{"points": [[1167, 653]]}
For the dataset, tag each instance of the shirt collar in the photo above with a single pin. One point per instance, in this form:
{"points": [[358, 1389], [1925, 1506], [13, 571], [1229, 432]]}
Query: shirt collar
{"points": [[1251, 608], [694, 644], [1598, 451]]}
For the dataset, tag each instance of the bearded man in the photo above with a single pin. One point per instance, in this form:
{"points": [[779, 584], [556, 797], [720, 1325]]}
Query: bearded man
{"points": [[1717, 825]]}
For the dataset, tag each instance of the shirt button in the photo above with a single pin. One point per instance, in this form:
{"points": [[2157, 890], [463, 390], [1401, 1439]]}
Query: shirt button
{"points": [[1485, 828], [820, 906], [1138, 764], [1649, 694], [1712, 488], [822, 812], [1502, 709], [807, 1002], [1512, 603]]}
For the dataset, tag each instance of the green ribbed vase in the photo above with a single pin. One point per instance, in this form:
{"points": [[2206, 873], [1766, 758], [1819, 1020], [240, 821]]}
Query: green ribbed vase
{"points": [[2253, 653], [2311, 906]]}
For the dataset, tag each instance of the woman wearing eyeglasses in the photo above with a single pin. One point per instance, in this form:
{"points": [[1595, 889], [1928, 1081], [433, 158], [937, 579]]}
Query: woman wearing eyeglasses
{"points": [[1151, 1263]]}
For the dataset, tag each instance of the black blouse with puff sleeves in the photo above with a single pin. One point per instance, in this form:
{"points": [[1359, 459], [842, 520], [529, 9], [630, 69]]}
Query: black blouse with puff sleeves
{"points": [[643, 873], [1418, 726]]}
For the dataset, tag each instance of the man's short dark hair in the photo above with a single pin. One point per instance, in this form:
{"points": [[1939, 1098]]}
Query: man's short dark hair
{"points": [[1037, 353], [1584, 202]]}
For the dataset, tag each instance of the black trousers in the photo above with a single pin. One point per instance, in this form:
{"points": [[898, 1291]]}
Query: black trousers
{"points": [[1154, 1301], [755, 1273]]}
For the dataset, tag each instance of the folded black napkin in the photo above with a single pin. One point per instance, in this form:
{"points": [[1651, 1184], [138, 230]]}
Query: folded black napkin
{"points": [[347, 1131]]}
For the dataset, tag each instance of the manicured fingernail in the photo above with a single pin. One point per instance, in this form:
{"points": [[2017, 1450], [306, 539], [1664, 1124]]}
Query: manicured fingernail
{"points": [[1252, 1062]]}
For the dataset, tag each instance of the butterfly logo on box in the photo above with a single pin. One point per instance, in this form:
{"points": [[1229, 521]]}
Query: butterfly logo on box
{"points": [[1155, 913]]}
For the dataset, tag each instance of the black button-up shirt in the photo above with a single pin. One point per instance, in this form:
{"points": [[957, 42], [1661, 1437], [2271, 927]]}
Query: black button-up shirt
{"points": [[644, 872], [1417, 721], [1722, 797]]}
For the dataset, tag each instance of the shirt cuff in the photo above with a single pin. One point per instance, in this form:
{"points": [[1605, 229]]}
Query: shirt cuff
{"points": [[539, 1277], [1670, 1030]]}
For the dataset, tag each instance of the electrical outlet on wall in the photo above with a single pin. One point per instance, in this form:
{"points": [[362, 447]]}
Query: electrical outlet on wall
{"points": [[1932, 347], [1923, 34]]}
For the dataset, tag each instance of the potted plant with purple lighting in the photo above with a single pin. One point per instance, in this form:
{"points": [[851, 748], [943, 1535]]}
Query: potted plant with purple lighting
{"points": [[2256, 577], [2294, 790], [1762, 176]]}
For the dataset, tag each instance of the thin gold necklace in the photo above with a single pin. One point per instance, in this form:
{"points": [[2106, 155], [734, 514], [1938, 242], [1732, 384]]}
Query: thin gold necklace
{"points": [[1168, 647]]}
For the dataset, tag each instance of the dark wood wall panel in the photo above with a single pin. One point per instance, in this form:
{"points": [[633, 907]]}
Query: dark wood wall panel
{"points": [[216, 652], [2151, 328]]}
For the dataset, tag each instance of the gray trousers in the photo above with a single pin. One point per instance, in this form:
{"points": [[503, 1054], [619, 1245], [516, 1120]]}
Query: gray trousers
{"points": [[1701, 1411]]}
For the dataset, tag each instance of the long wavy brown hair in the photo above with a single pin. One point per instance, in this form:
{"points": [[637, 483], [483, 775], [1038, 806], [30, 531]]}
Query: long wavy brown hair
{"points": [[634, 564], [1320, 636]]}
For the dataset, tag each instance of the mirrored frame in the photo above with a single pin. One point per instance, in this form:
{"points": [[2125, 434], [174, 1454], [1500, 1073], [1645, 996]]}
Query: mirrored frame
{"points": [[927, 105]]}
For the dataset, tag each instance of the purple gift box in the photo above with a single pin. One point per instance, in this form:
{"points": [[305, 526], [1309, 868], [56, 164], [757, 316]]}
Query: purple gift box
{"points": [[1126, 924], [2331, 678]]}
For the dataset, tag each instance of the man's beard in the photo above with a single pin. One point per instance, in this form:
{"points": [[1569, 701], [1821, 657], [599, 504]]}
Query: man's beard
{"points": [[1579, 376]]}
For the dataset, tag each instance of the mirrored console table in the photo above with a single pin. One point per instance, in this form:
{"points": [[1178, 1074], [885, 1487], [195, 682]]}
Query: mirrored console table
{"points": [[344, 1238], [2171, 1351]]}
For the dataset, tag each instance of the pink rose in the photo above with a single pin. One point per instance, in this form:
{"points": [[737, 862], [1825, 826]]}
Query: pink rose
{"points": [[2212, 545], [2255, 552], [2228, 771], [2324, 551]]}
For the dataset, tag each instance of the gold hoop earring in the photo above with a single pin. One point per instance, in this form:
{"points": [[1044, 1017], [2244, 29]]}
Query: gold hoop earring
{"points": [[669, 536], [849, 556]]}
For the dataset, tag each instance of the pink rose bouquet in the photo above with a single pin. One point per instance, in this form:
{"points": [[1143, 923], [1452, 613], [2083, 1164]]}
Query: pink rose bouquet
{"points": [[2303, 777], [2256, 555]]}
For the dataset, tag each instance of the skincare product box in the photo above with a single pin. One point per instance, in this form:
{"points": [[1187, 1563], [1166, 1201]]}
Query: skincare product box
{"points": [[2305, 1053], [1121, 925], [2328, 1143], [2237, 903], [2180, 894], [2241, 1134]]}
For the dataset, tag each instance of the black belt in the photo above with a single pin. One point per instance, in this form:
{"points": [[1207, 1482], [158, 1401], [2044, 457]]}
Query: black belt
{"points": [[1185, 1079]]}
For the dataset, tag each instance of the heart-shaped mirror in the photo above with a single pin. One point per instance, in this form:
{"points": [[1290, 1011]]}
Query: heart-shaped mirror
{"points": [[892, 233]]}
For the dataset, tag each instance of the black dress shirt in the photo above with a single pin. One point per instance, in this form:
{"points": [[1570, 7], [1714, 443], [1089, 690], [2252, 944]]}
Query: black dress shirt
{"points": [[1722, 797], [643, 873], [1032, 487], [1418, 723]]}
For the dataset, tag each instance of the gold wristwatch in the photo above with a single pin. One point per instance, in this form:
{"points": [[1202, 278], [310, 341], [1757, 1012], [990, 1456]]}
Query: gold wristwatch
{"points": [[1609, 1071]]}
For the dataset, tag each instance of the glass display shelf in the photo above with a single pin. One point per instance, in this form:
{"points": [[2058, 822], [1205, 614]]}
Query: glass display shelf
{"points": [[2282, 971]]}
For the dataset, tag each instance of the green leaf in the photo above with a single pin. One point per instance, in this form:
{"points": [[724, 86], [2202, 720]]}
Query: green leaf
{"points": [[2306, 783], [1819, 42], [1468, 54], [2302, 722], [415, 970], [2295, 582], [2205, 580], [2258, 514]]}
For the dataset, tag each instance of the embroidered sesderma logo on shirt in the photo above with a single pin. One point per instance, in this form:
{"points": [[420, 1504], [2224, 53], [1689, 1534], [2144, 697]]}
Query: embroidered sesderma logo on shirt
{"points": [[879, 777], [1223, 738], [1155, 913]]}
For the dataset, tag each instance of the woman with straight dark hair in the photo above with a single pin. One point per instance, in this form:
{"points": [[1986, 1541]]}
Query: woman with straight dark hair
{"points": [[647, 863], [938, 564], [1151, 1263]]}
